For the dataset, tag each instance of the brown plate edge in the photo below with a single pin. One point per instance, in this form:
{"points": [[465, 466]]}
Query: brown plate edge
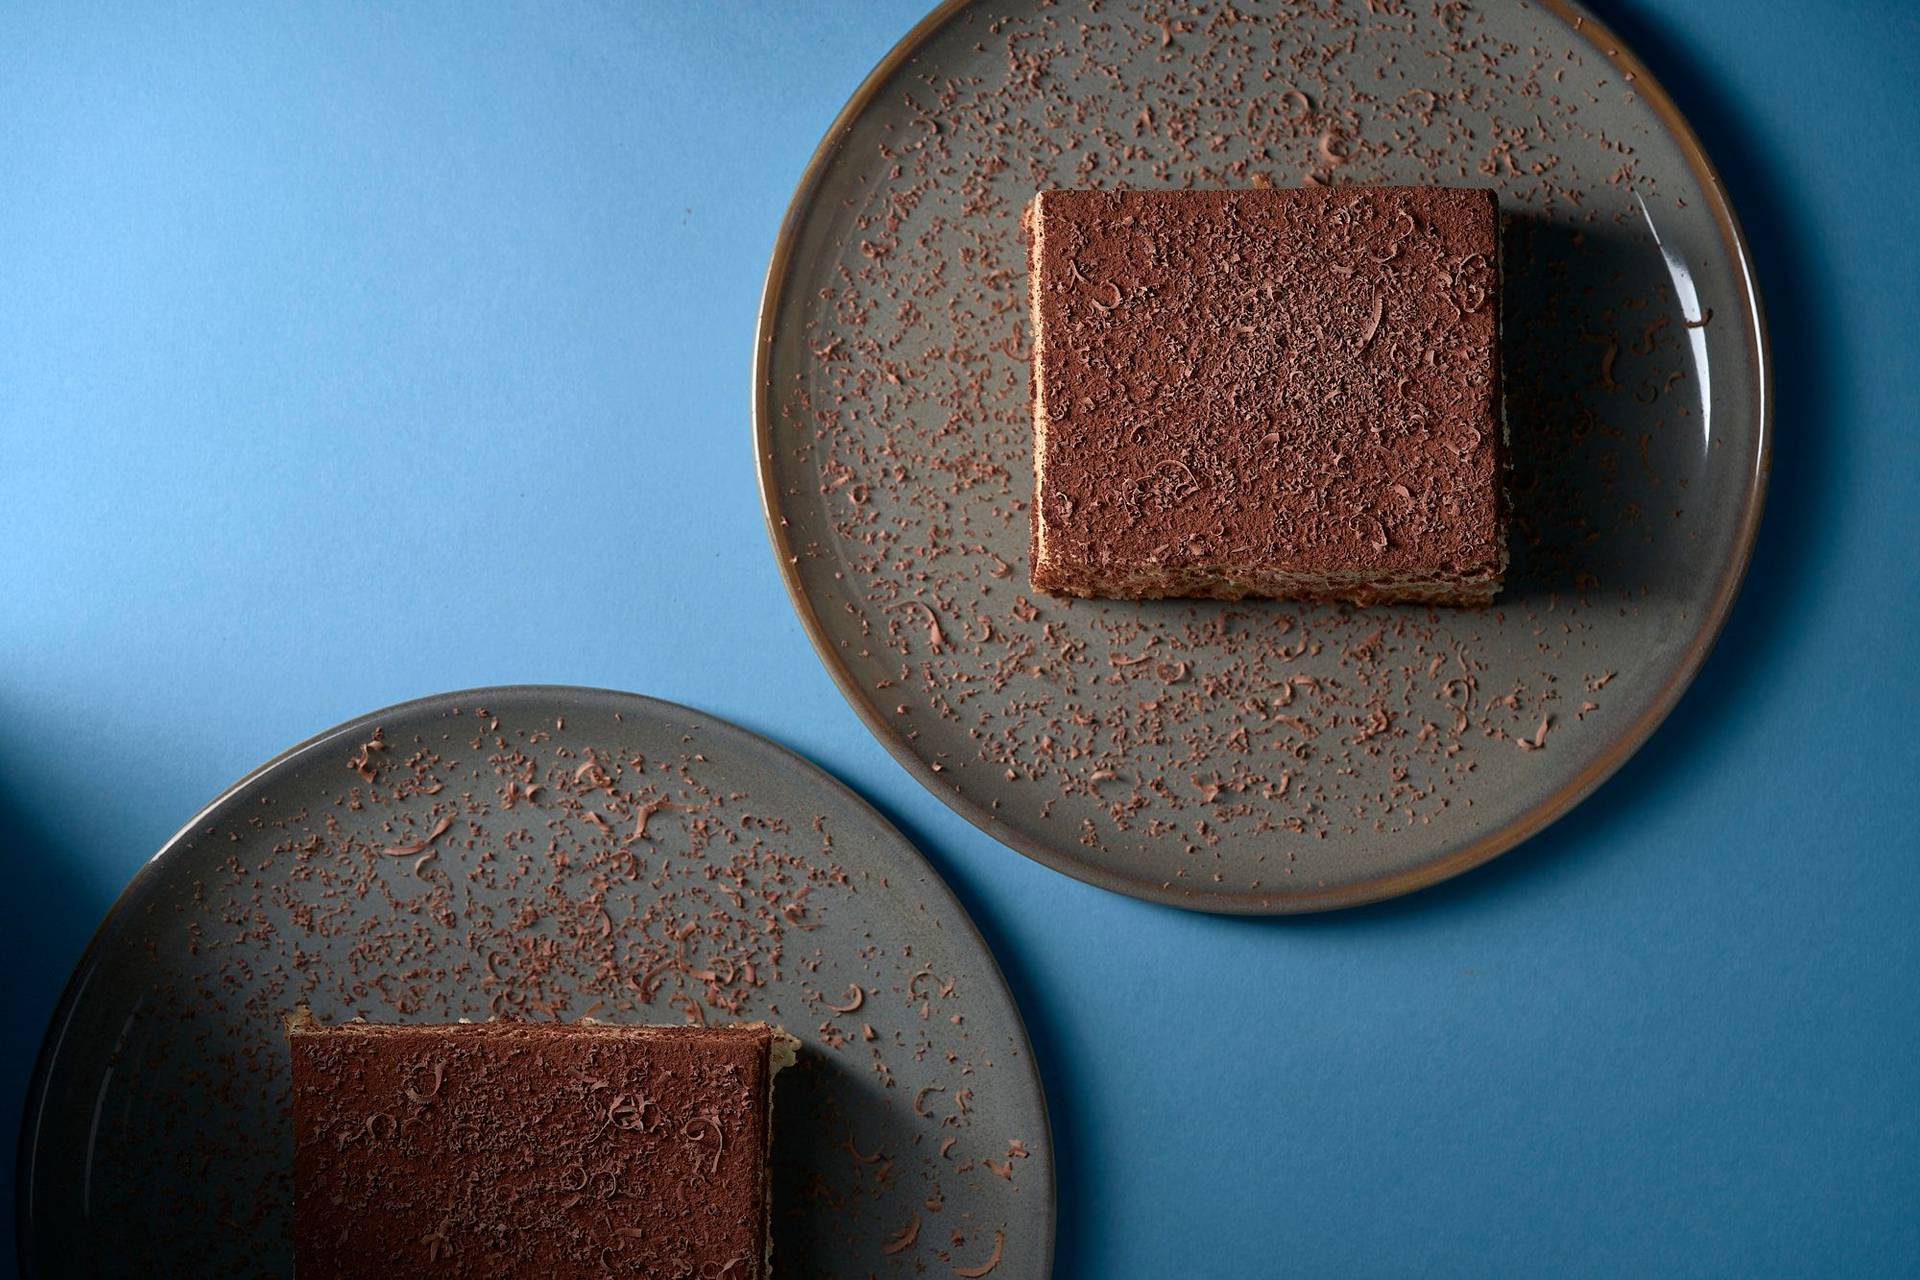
{"points": [[1486, 847]]}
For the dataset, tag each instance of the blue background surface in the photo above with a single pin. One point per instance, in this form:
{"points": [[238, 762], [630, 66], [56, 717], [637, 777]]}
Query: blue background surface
{"points": [[351, 353]]}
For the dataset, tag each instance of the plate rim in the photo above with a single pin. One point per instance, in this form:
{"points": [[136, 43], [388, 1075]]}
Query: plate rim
{"points": [[76, 984], [1475, 852]]}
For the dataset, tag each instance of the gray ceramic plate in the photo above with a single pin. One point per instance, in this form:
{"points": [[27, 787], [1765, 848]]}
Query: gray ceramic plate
{"points": [[475, 854], [1258, 757]]}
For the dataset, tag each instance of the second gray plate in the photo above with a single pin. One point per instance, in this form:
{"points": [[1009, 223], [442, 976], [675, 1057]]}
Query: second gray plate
{"points": [[538, 853]]}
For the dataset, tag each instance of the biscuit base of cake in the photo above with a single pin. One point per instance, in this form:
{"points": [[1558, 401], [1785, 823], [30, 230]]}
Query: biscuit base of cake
{"points": [[1241, 582]]}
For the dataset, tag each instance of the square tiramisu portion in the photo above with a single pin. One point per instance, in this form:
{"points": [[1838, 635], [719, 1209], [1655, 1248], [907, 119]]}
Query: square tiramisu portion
{"points": [[1268, 393], [495, 1149]]}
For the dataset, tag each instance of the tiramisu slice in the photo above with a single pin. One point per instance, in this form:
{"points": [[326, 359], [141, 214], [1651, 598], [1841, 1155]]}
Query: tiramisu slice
{"points": [[497, 1149], [1269, 393]]}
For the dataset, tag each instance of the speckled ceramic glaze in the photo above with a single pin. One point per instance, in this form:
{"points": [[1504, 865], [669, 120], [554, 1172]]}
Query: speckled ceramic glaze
{"points": [[487, 855], [1259, 758]]}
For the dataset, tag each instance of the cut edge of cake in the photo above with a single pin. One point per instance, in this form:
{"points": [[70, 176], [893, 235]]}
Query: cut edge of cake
{"points": [[783, 1050], [1039, 561]]}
